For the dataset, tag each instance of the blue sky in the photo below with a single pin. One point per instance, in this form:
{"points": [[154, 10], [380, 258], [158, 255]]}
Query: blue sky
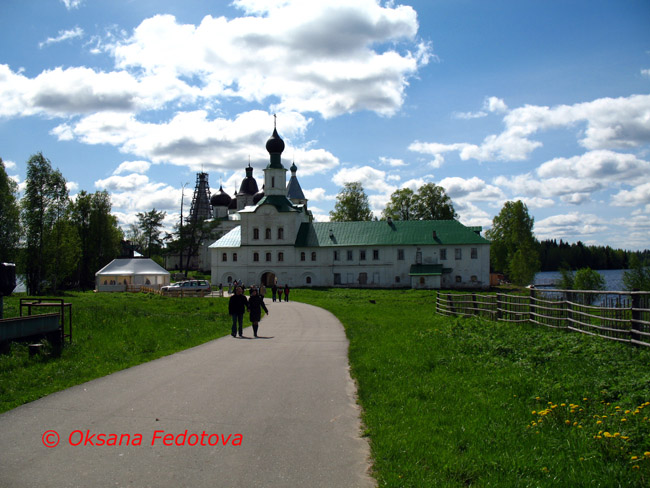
{"points": [[543, 101]]}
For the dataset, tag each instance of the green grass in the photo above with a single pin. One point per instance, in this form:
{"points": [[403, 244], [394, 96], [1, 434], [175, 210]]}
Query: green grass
{"points": [[446, 402], [111, 331], [470, 402]]}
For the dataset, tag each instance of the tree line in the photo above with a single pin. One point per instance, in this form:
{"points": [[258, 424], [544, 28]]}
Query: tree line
{"points": [[60, 243], [514, 250]]}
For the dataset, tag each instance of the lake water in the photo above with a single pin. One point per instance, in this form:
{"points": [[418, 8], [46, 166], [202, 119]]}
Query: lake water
{"points": [[613, 278]]}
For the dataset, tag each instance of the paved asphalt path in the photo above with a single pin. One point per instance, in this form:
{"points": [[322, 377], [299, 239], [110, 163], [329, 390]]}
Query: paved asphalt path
{"points": [[286, 398]]}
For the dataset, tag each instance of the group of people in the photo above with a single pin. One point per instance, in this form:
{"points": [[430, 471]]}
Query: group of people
{"points": [[239, 304], [277, 291]]}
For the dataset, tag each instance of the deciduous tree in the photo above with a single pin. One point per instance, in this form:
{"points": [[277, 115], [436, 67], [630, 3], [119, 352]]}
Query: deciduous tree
{"points": [[401, 205], [99, 234], [48, 240], [9, 217], [513, 250], [433, 203], [351, 204], [149, 224]]}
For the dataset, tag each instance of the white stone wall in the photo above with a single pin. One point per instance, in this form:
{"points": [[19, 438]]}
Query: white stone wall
{"points": [[380, 272]]}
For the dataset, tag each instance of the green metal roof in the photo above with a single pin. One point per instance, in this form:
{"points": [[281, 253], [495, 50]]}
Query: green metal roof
{"points": [[425, 270], [280, 202], [383, 233], [231, 239]]}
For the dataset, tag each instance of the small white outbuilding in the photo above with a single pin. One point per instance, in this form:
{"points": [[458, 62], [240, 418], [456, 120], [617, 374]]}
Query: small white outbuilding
{"points": [[131, 274]]}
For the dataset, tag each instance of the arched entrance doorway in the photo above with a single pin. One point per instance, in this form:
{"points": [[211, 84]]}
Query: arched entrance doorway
{"points": [[268, 279]]}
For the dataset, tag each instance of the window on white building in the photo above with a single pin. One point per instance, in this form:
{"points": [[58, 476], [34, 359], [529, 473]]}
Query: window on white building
{"points": [[256, 256], [375, 254], [280, 233], [313, 256], [400, 254], [443, 254], [224, 257], [267, 234], [268, 257], [350, 256], [336, 256], [302, 256], [474, 253], [458, 253], [362, 255], [256, 233], [234, 256], [280, 256]]}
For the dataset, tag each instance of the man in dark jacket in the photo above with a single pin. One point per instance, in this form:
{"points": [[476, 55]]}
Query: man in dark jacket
{"points": [[255, 306], [237, 306]]}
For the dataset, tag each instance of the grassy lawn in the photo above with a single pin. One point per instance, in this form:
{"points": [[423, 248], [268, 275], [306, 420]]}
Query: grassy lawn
{"points": [[447, 402], [111, 331], [469, 402]]}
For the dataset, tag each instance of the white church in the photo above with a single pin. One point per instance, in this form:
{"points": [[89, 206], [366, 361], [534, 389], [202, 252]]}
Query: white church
{"points": [[271, 237]]}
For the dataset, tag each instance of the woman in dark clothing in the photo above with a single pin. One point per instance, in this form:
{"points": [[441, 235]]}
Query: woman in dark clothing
{"points": [[286, 293], [255, 306], [237, 305]]}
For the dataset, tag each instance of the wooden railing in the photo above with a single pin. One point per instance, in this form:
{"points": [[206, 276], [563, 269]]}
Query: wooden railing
{"points": [[615, 315]]}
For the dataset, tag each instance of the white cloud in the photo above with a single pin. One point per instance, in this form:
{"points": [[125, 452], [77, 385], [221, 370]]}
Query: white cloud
{"points": [[73, 91], [469, 115], [132, 167], [64, 35], [495, 104], [473, 189], [637, 196], [122, 183], [9, 164], [569, 225], [370, 178], [70, 4], [526, 184], [645, 72], [598, 165], [611, 123], [392, 162], [317, 195], [194, 140], [305, 66]]}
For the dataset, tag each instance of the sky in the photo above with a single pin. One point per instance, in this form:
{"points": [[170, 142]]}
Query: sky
{"points": [[544, 101]]}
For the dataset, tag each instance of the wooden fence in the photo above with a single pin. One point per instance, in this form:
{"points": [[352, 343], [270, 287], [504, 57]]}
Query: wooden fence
{"points": [[615, 315]]}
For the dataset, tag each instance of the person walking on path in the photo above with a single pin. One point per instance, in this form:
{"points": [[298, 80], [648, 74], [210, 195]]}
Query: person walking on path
{"points": [[262, 290], [280, 293], [286, 293], [274, 291], [255, 306], [237, 305]]}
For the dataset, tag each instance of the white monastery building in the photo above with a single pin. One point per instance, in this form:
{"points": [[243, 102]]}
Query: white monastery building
{"points": [[271, 237]]}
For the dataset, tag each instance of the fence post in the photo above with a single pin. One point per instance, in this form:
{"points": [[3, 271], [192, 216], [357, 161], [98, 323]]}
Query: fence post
{"points": [[437, 295], [474, 305], [636, 317], [498, 311], [451, 304], [531, 304]]}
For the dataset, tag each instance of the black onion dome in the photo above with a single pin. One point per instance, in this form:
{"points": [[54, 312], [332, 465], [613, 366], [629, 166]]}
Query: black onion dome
{"points": [[259, 195], [220, 199], [248, 184], [275, 144]]}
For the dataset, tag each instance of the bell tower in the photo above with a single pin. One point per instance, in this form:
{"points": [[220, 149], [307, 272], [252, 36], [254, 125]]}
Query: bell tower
{"points": [[275, 175]]}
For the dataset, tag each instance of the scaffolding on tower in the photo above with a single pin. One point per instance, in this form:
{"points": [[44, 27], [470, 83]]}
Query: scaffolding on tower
{"points": [[200, 209]]}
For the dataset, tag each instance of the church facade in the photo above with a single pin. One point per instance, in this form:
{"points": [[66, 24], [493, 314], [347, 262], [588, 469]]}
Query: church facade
{"points": [[273, 239]]}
